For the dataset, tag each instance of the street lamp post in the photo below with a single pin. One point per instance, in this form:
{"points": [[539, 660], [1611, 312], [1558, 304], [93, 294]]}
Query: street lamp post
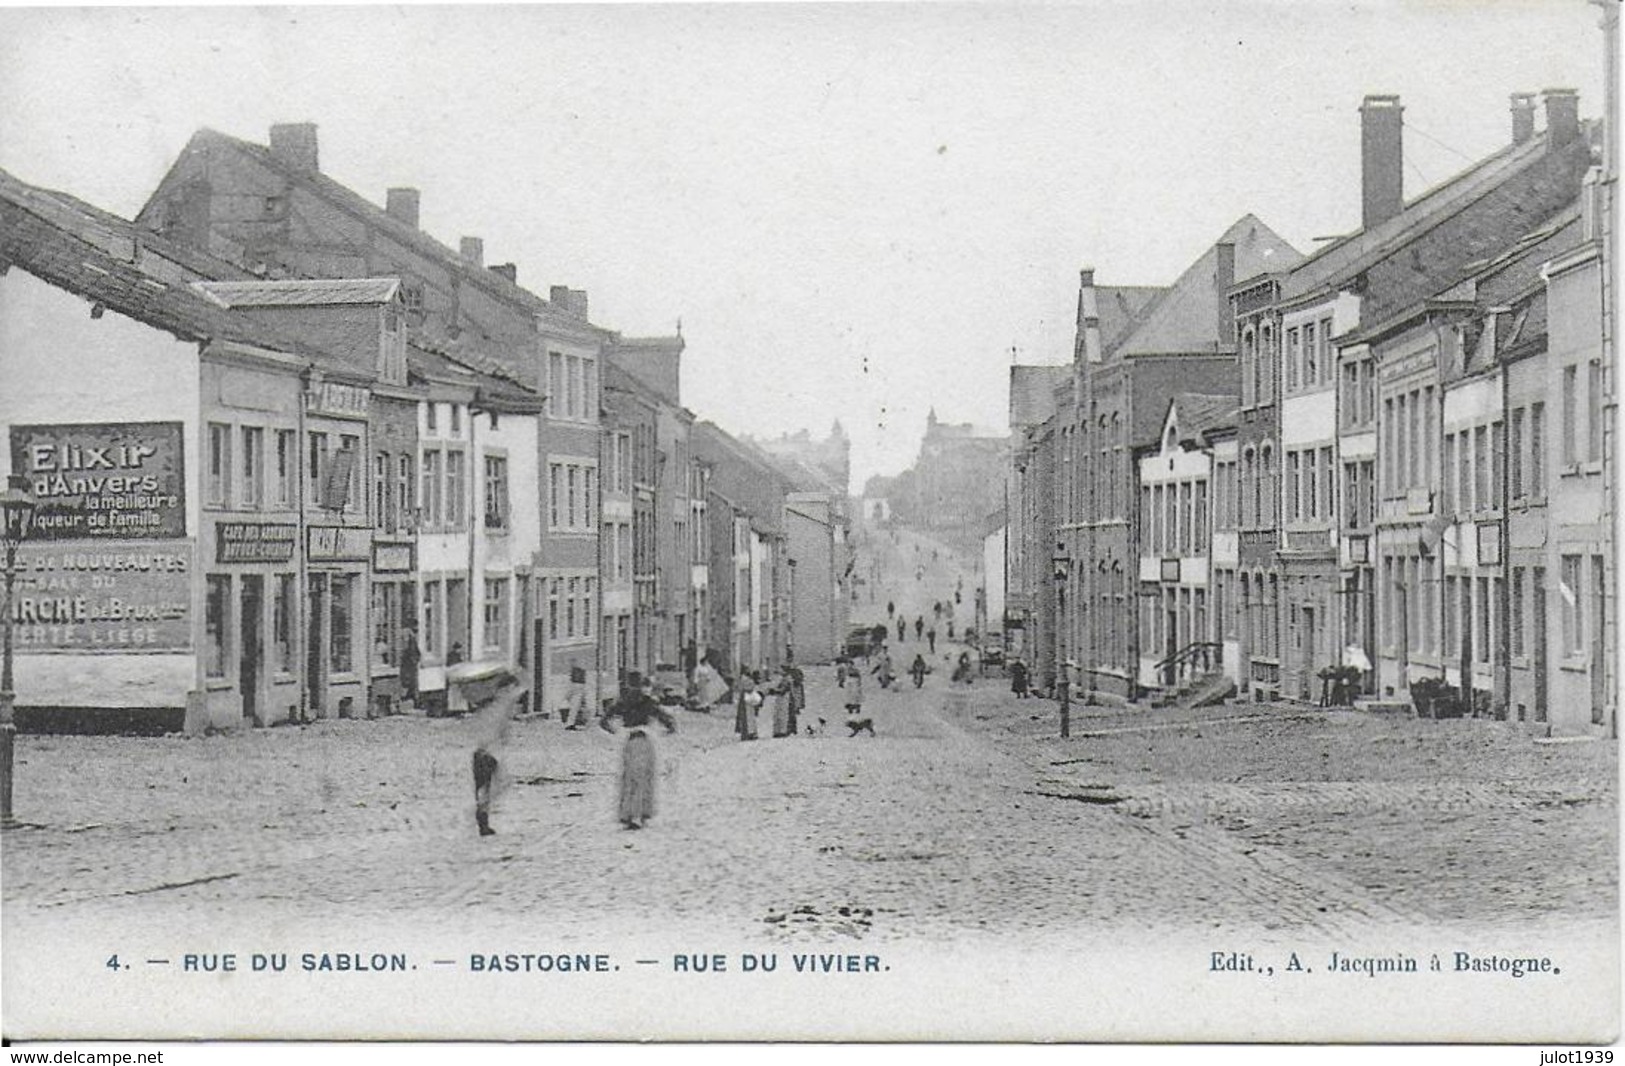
{"points": [[16, 518]]}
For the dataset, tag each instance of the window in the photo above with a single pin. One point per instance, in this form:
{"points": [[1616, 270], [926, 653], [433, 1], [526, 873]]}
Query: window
{"points": [[1452, 646], [431, 617], [1368, 390], [381, 473], [1414, 444], [555, 386], [553, 608], [1292, 357], [1481, 645], [1294, 473], [1464, 471], [1498, 445], [1390, 449], [341, 592], [1311, 356], [253, 468], [432, 513], [1447, 471], [573, 387], [216, 620], [496, 492], [1328, 484], [1199, 535], [456, 418], [1515, 454], [1537, 450], [282, 628], [1594, 411], [1571, 590], [1351, 395], [1570, 412], [286, 459], [219, 465], [316, 465], [588, 586], [1267, 356], [496, 613], [456, 492], [1268, 478], [1311, 486], [403, 490], [385, 594], [1516, 606], [573, 586], [1249, 369], [572, 497], [1481, 467], [431, 416]]}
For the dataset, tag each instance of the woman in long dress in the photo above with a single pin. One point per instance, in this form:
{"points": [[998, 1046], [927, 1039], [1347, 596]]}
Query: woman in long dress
{"points": [[750, 704], [635, 708]]}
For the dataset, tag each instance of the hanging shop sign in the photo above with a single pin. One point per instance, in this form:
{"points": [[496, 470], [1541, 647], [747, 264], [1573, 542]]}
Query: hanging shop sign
{"points": [[118, 480], [254, 542], [338, 544], [393, 557], [119, 596]]}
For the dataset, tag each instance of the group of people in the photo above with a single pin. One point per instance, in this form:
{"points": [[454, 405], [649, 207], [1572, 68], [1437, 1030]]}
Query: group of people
{"points": [[788, 696]]}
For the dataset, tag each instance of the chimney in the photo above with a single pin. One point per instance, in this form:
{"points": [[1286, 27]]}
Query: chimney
{"points": [[294, 143], [1562, 117], [507, 270], [1523, 117], [1382, 190], [1224, 278], [572, 302], [473, 250], [1088, 315], [402, 206]]}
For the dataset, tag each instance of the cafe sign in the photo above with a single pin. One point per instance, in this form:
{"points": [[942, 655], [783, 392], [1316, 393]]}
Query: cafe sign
{"points": [[108, 597], [254, 542], [93, 480]]}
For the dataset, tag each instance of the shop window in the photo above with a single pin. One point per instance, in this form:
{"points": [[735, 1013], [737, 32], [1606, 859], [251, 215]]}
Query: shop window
{"points": [[216, 622], [496, 613], [342, 612]]}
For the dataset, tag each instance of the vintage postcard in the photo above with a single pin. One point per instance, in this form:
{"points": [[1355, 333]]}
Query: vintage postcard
{"points": [[776, 522]]}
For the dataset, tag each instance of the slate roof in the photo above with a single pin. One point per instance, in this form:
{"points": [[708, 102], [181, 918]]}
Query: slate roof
{"points": [[303, 292], [1183, 319], [500, 392], [110, 261], [1121, 307], [1031, 399], [1199, 413], [492, 282]]}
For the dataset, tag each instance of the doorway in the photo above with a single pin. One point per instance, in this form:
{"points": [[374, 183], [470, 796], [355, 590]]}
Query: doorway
{"points": [[1537, 598], [251, 655], [1310, 635], [315, 647]]}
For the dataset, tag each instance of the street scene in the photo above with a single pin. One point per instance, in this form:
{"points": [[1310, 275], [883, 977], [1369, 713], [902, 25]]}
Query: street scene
{"points": [[889, 546]]}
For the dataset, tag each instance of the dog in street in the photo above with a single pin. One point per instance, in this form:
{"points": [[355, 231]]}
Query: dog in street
{"points": [[860, 725]]}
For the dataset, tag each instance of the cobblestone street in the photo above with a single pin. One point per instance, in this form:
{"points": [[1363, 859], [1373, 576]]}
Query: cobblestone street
{"points": [[965, 817]]}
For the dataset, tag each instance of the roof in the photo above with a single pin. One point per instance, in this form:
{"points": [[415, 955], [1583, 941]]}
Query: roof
{"points": [[1030, 393], [495, 284], [1121, 307], [302, 292], [1200, 413], [493, 390], [1184, 318], [1505, 192], [112, 262]]}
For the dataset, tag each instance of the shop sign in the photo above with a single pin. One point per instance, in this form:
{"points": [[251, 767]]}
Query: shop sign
{"points": [[330, 397], [393, 558], [254, 542], [338, 544], [119, 480], [124, 596]]}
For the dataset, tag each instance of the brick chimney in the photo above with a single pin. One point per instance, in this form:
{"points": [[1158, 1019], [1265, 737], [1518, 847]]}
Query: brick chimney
{"points": [[1523, 117], [402, 206], [1382, 188], [507, 270], [294, 143], [1224, 278], [1088, 315], [473, 250], [1562, 117], [572, 302]]}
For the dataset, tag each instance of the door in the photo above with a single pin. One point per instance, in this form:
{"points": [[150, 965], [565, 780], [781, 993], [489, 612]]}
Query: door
{"points": [[316, 647], [1170, 637], [251, 661], [1537, 599], [1310, 635]]}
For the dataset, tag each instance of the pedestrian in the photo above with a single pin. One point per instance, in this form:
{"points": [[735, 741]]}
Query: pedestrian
{"points": [[902, 631], [936, 609], [635, 708], [750, 702], [919, 627], [1018, 678], [854, 696], [577, 705], [956, 596], [891, 608], [931, 639], [950, 629], [962, 670], [411, 658], [781, 707], [842, 668], [919, 670], [491, 732], [798, 696], [883, 670]]}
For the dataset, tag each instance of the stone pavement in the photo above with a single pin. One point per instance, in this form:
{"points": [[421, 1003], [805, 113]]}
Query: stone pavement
{"points": [[965, 821]]}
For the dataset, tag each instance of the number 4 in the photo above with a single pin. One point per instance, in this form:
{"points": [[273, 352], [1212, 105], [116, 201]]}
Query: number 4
{"points": [[112, 962]]}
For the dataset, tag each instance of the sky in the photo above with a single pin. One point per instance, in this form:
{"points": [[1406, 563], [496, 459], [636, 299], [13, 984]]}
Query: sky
{"points": [[857, 211]]}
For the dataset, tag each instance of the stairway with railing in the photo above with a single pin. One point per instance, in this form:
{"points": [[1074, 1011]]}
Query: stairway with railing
{"points": [[1192, 676]]}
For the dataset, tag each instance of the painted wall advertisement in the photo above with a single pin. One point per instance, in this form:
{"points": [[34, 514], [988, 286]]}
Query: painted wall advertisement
{"points": [[118, 480], [103, 597]]}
